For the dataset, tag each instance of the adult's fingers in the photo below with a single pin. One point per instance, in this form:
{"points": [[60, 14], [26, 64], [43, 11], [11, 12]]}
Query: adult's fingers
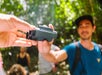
{"points": [[21, 25], [24, 42], [8, 39], [20, 34], [9, 22], [5, 23]]}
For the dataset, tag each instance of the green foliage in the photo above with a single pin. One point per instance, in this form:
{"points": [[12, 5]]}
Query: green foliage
{"points": [[11, 7], [39, 12], [61, 13]]}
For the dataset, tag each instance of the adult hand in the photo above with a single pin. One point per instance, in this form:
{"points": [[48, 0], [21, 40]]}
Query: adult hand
{"points": [[9, 31]]}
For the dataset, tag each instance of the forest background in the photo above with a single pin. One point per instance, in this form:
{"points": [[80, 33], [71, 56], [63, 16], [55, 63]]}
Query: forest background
{"points": [[60, 13]]}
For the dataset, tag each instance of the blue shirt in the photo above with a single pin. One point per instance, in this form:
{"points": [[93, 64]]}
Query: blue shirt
{"points": [[90, 63]]}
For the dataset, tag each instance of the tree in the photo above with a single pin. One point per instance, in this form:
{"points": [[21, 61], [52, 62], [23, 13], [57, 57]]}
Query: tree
{"points": [[61, 13], [11, 7]]}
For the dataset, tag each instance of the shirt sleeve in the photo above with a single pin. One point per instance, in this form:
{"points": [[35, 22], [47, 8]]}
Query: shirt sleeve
{"points": [[70, 50]]}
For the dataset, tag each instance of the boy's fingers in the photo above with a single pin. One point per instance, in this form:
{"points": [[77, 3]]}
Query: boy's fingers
{"points": [[43, 46], [51, 26]]}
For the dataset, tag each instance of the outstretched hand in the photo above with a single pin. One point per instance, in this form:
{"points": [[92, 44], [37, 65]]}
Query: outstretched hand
{"points": [[9, 32]]}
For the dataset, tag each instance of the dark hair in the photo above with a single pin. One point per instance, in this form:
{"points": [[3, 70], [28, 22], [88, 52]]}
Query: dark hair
{"points": [[87, 17], [16, 69]]}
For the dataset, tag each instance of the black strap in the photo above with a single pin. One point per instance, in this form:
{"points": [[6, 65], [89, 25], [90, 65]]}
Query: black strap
{"points": [[77, 58], [100, 46]]}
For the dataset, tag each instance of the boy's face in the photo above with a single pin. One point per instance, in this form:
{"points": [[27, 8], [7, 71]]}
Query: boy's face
{"points": [[1, 59], [85, 29]]}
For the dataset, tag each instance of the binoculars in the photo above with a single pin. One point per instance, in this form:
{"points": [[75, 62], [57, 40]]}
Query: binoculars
{"points": [[41, 33]]}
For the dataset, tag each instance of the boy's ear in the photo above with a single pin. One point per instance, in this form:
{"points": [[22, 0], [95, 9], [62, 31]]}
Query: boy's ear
{"points": [[94, 28]]}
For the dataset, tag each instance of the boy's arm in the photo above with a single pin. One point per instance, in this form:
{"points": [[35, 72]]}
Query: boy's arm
{"points": [[55, 56]]}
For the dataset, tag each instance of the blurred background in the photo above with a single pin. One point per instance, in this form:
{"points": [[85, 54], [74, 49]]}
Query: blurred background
{"points": [[60, 13]]}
